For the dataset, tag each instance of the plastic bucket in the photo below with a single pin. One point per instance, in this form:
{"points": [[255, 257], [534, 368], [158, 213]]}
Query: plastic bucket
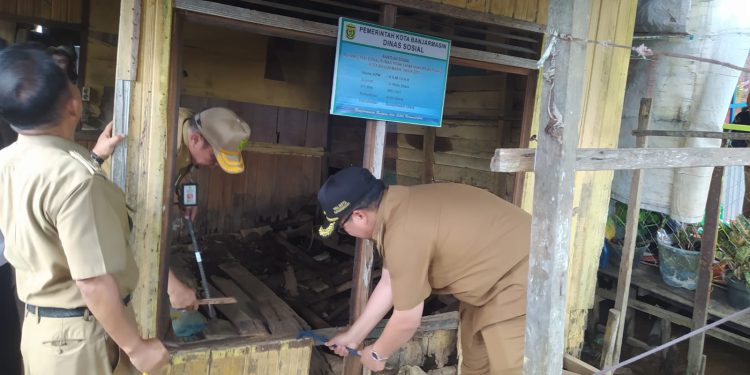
{"points": [[738, 293], [615, 254], [678, 267]]}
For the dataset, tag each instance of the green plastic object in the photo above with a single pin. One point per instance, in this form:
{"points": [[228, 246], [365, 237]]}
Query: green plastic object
{"points": [[187, 323]]}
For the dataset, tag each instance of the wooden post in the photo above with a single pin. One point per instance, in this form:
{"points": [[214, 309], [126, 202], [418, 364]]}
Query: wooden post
{"points": [[631, 233], [610, 339], [428, 148], [562, 91], [703, 289], [527, 118], [363, 253], [146, 167], [127, 67]]}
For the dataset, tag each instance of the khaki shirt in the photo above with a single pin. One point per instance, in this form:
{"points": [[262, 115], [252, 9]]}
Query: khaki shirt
{"points": [[62, 220], [455, 239]]}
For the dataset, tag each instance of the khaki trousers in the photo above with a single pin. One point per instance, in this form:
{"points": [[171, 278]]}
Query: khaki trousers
{"points": [[496, 349], [77, 346]]}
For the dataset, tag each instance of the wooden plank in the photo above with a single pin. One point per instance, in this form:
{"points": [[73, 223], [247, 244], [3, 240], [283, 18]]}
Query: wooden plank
{"points": [[610, 338], [692, 134], [705, 271], [631, 231], [432, 7], [127, 47], [562, 92], [491, 61], [237, 314], [274, 310], [578, 366], [279, 149], [600, 159], [317, 130], [292, 126], [263, 122], [146, 178]]}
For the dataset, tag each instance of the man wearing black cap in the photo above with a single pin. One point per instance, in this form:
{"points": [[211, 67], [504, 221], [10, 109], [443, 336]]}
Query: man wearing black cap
{"points": [[65, 57], [438, 238]]}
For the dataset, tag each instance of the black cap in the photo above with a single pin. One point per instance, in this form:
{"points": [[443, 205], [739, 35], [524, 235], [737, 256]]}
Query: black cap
{"points": [[343, 192]]}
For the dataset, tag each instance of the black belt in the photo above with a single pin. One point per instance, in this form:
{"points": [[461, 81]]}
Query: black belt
{"points": [[56, 312]]}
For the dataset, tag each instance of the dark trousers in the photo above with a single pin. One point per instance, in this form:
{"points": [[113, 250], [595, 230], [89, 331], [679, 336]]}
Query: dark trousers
{"points": [[10, 326]]}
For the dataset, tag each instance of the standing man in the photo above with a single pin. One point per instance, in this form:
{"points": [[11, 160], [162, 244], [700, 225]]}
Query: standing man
{"points": [[66, 231], [213, 136], [436, 238]]}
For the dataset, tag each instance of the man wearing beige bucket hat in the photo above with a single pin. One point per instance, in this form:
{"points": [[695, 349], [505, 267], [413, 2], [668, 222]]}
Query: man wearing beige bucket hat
{"points": [[213, 136]]}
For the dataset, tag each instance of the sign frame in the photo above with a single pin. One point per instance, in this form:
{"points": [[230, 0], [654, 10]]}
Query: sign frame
{"points": [[399, 116]]}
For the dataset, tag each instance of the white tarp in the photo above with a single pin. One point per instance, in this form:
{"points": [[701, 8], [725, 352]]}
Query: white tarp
{"points": [[687, 95]]}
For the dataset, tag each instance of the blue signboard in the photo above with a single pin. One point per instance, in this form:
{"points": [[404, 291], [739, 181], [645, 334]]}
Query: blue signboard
{"points": [[387, 74]]}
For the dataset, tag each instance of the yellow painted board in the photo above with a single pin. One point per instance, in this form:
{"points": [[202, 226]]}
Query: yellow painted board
{"points": [[503, 7], [478, 5], [606, 76]]}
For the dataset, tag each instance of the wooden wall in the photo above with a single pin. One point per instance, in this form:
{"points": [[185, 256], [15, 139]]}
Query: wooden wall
{"points": [[482, 112], [604, 92], [251, 68], [68, 11], [283, 167], [273, 358], [527, 10], [101, 59]]}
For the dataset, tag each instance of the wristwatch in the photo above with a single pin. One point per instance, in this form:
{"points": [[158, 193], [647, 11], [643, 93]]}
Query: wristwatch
{"points": [[377, 357], [98, 159]]}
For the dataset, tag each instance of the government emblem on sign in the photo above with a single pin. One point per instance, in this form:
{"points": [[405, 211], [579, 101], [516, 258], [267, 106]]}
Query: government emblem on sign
{"points": [[350, 31]]}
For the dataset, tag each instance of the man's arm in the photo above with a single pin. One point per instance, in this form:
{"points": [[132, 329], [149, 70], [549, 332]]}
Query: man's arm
{"points": [[400, 328], [181, 296], [102, 297], [377, 306]]}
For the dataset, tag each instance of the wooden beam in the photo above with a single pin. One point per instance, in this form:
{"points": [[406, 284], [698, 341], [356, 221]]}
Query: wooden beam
{"points": [[146, 168], [528, 116], [127, 46], [164, 321], [433, 7], [316, 32], [680, 320], [631, 233], [610, 338], [578, 366], [703, 288], [363, 252], [691, 134], [428, 149], [602, 159], [562, 95]]}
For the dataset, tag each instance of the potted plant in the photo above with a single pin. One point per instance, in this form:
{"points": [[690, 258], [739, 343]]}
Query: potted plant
{"points": [[679, 253], [648, 223], [733, 250]]}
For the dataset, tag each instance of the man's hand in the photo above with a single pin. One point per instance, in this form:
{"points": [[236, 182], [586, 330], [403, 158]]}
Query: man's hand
{"points": [[190, 212], [106, 143], [340, 342], [149, 356], [369, 362], [180, 295]]}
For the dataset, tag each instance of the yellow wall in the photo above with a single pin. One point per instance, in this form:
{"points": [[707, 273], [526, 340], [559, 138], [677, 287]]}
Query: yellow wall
{"points": [[527, 10], [230, 64], [606, 75]]}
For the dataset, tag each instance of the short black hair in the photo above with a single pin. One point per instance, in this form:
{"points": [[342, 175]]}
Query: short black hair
{"points": [[32, 87]]}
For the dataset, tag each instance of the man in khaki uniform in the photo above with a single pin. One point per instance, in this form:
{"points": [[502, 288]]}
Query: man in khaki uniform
{"points": [[66, 230], [437, 238]]}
